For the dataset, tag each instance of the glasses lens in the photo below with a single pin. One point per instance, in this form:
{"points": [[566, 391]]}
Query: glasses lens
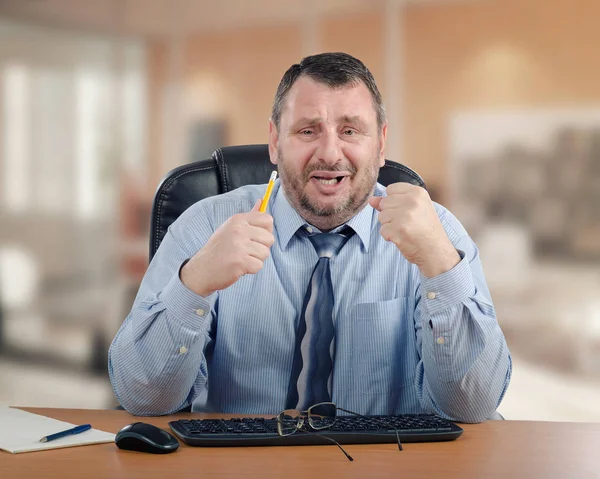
{"points": [[288, 422], [322, 416]]}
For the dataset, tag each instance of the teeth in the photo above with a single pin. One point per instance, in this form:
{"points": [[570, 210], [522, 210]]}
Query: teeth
{"points": [[332, 181]]}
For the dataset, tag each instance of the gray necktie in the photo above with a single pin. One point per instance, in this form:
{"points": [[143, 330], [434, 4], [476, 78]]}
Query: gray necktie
{"points": [[312, 367]]}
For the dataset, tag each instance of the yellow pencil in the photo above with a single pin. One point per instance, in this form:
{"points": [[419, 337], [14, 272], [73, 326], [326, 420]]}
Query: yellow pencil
{"points": [[265, 200]]}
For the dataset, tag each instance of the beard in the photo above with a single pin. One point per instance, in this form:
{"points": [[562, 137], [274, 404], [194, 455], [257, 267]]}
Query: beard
{"points": [[320, 215]]}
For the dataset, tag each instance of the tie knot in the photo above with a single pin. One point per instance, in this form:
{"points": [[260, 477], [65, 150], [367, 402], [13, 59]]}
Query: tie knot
{"points": [[327, 245]]}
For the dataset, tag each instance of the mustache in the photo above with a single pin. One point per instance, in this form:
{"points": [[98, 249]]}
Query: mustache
{"points": [[325, 167]]}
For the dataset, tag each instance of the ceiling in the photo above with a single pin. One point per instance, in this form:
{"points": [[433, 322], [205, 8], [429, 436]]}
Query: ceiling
{"points": [[168, 17]]}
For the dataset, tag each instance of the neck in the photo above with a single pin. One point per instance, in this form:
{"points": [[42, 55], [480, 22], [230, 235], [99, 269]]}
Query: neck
{"points": [[326, 223]]}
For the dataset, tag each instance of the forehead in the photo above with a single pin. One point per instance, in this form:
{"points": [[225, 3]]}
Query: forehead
{"points": [[310, 99]]}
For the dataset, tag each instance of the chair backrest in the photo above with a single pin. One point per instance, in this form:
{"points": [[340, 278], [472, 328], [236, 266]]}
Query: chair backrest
{"points": [[229, 168]]}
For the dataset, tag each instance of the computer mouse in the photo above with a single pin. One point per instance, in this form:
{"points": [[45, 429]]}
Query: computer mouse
{"points": [[144, 437]]}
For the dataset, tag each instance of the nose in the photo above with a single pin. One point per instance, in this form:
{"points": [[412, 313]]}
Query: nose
{"points": [[329, 150]]}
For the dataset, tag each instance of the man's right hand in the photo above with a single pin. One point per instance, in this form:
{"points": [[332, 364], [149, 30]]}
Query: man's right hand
{"points": [[238, 247]]}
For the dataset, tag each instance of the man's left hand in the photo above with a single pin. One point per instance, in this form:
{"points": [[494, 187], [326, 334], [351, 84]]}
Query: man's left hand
{"points": [[409, 220]]}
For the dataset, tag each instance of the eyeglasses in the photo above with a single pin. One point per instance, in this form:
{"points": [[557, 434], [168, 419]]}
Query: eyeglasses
{"points": [[319, 417]]}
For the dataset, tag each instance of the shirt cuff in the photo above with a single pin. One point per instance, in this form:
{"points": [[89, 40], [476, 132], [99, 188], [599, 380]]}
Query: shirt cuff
{"points": [[448, 289], [191, 309]]}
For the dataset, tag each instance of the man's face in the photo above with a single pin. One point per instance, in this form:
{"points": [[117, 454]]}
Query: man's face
{"points": [[328, 150]]}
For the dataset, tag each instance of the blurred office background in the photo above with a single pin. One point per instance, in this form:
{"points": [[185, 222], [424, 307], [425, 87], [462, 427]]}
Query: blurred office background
{"points": [[496, 103]]}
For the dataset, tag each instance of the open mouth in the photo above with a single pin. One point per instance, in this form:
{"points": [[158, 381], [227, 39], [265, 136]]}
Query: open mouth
{"points": [[329, 181]]}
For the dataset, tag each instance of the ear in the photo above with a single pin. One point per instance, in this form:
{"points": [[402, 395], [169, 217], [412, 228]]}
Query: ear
{"points": [[273, 139], [382, 139]]}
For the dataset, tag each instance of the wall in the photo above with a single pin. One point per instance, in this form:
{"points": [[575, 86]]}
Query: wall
{"points": [[502, 53], [509, 53]]}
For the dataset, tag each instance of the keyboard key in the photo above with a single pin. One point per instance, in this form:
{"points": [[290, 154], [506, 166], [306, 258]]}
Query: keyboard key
{"points": [[346, 430]]}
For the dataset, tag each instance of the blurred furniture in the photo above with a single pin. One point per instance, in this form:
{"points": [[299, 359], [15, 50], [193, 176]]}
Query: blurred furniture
{"points": [[19, 279], [52, 291], [536, 450], [229, 168]]}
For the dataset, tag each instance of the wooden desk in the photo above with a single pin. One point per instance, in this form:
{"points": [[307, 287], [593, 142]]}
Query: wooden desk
{"points": [[512, 449]]}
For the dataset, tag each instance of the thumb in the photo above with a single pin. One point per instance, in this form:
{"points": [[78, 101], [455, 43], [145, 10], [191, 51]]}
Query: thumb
{"points": [[256, 206], [374, 202]]}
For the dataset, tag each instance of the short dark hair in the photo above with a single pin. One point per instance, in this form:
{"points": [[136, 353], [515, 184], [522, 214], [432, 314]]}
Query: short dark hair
{"points": [[334, 70]]}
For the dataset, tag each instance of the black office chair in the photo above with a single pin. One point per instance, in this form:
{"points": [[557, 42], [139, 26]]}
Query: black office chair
{"points": [[229, 168]]}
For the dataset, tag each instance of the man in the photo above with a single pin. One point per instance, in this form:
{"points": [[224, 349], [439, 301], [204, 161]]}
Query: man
{"points": [[233, 315]]}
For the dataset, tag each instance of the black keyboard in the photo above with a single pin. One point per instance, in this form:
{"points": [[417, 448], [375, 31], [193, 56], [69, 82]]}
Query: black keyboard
{"points": [[345, 430]]}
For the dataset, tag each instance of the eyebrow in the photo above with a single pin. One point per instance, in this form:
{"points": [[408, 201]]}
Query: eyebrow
{"points": [[354, 120], [307, 122]]}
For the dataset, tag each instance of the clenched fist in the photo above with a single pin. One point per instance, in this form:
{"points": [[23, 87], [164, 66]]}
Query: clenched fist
{"points": [[238, 247], [409, 220]]}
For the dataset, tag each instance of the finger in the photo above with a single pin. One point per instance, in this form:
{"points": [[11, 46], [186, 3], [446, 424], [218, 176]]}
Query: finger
{"points": [[261, 236], [400, 188], [401, 201], [375, 202], [387, 216], [387, 233], [258, 250], [253, 265], [256, 206], [394, 201], [260, 220]]}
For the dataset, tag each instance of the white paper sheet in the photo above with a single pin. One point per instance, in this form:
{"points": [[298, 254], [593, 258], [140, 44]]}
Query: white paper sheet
{"points": [[21, 431]]}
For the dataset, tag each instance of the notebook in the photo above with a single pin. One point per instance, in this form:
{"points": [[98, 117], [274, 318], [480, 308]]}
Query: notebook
{"points": [[21, 431]]}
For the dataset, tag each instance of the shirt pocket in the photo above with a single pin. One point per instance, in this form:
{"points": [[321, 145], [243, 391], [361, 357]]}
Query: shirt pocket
{"points": [[385, 356]]}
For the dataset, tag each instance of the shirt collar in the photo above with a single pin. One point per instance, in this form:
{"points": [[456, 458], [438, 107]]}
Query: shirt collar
{"points": [[288, 221]]}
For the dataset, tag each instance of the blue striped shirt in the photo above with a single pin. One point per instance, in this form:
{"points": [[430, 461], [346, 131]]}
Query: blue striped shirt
{"points": [[404, 343]]}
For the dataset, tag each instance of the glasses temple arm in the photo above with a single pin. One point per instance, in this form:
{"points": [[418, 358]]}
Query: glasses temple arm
{"points": [[350, 458], [378, 420]]}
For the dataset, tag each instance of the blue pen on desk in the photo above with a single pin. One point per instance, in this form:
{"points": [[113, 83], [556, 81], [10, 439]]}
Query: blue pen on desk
{"points": [[68, 432]]}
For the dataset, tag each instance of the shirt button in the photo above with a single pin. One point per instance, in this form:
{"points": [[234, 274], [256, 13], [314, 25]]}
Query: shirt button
{"points": [[309, 229], [182, 350], [440, 340], [431, 295], [200, 312]]}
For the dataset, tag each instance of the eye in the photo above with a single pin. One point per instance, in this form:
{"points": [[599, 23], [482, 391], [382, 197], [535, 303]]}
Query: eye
{"points": [[349, 132], [306, 132]]}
